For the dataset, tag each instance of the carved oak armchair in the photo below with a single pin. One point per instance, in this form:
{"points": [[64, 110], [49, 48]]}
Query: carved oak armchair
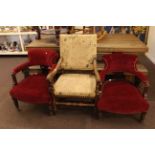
{"points": [[75, 77]]}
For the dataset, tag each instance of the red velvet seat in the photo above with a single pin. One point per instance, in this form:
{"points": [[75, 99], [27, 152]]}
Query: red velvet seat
{"points": [[119, 95], [123, 98], [34, 88]]}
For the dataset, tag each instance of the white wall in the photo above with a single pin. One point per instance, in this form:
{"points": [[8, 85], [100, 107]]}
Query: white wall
{"points": [[151, 44]]}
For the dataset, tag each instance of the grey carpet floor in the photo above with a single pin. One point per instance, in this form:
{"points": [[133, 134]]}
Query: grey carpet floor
{"points": [[35, 117]]}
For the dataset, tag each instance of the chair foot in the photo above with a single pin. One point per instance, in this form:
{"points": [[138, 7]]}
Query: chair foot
{"points": [[142, 116], [54, 108], [51, 110], [98, 114], [53, 113], [48, 111], [15, 101]]}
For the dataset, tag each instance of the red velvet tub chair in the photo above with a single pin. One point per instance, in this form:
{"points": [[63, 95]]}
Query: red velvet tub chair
{"points": [[34, 88], [118, 94]]}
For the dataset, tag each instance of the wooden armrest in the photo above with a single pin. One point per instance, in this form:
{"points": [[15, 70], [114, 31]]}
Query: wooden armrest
{"points": [[143, 88], [51, 74], [96, 71], [145, 91], [99, 82]]}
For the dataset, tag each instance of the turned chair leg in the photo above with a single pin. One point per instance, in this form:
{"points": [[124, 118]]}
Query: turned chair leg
{"points": [[49, 109], [15, 101], [142, 116], [54, 108]]}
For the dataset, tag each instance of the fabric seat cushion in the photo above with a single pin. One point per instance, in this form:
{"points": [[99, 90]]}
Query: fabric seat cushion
{"points": [[122, 97], [33, 89], [75, 85]]}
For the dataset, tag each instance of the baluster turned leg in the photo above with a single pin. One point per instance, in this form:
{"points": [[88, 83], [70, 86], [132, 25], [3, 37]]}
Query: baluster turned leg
{"points": [[49, 110], [52, 104], [54, 107]]}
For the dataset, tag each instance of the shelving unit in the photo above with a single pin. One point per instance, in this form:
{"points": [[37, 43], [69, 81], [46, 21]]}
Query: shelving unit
{"points": [[19, 37], [13, 53]]}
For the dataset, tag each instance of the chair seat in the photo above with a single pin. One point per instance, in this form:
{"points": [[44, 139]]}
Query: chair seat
{"points": [[123, 98], [75, 85], [33, 89]]}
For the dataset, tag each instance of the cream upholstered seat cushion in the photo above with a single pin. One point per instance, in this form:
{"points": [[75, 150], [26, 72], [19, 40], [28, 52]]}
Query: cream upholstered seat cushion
{"points": [[76, 85]]}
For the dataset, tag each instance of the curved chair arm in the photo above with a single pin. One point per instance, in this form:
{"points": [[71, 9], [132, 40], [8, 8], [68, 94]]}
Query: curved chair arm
{"points": [[54, 71], [144, 80], [96, 71], [17, 69], [145, 91], [21, 67], [99, 83]]}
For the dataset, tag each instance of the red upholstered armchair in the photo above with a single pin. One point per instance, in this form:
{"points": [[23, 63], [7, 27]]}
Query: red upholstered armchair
{"points": [[118, 94], [34, 87]]}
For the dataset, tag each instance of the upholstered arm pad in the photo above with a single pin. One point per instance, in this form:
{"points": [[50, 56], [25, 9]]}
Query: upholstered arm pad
{"points": [[21, 67], [54, 71]]}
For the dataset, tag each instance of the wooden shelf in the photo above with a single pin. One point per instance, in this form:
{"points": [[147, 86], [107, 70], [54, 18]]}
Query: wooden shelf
{"points": [[16, 33], [13, 53], [8, 33], [26, 33], [20, 34]]}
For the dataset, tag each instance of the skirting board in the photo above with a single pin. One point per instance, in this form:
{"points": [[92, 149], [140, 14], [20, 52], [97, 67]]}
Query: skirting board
{"points": [[150, 58]]}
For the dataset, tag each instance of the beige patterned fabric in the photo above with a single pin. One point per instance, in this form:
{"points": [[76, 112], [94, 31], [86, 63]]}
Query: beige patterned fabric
{"points": [[76, 85], [78, 51]]}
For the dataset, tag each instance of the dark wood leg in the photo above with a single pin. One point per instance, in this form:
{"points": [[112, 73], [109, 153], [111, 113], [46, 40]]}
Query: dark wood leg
{"points": [[142, 116], [52, 104], [49, 110], [54, 108], [15, 101]]}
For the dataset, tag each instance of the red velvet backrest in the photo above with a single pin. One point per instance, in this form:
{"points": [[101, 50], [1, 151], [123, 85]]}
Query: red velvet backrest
{"points": [[119, 62], [42, 56]]}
